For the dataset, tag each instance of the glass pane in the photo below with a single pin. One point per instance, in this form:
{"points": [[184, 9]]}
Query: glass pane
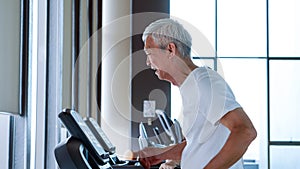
{"points": [[249, 87], [204, 62], [176, 103], [284, 28], [284, 100], [203, 23], [284, 157], [241, 28]]}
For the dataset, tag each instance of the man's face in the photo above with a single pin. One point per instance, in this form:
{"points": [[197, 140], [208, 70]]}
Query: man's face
{"points": [[157, 59]]}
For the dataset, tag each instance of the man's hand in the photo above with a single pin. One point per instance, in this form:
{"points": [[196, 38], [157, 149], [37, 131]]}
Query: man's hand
{"points": [[169, 164], [150, 156]]}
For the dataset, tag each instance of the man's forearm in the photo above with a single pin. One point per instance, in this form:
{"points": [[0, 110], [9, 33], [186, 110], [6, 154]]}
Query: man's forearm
{"points": [[242, 133], [173, 152], [232, 151]]}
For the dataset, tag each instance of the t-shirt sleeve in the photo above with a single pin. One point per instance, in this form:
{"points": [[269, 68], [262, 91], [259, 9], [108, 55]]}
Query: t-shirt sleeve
{"points": [[217, 97]]}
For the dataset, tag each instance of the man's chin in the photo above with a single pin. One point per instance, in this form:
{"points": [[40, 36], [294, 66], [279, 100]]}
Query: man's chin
{"points": [[162, 75]]}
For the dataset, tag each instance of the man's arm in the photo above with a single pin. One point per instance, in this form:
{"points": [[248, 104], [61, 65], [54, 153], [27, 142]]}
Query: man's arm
{"points": [[152, 155], [242, 134]]}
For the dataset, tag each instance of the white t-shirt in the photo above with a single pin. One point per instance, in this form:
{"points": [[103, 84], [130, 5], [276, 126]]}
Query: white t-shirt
{"points": [[206, 98]]}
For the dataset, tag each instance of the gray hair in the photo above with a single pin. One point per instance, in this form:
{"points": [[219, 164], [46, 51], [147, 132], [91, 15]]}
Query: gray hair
{"points": [[165, 31]]}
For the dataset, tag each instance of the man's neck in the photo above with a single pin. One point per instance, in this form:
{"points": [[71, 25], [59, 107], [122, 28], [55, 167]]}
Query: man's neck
{"points": [[184, 67]]}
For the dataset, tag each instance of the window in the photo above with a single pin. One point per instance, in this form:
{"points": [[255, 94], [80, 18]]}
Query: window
{"points": [[284, 99], [258, 55], [249, 86]]}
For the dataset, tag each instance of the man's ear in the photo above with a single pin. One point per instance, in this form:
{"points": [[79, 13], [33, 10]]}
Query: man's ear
{"points": [[172, 49]]}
